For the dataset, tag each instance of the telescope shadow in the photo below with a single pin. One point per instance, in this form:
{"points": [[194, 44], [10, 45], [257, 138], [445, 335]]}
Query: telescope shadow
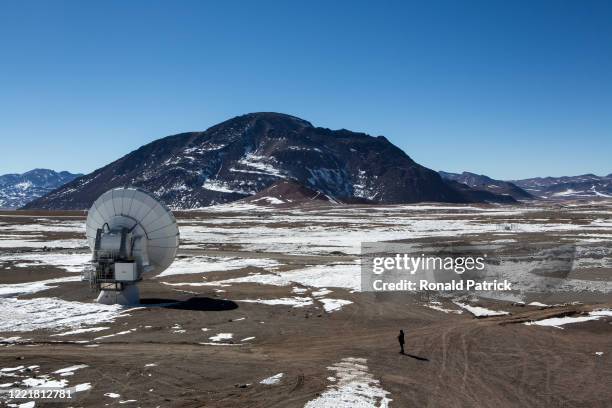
{"points": [[203, 304]]}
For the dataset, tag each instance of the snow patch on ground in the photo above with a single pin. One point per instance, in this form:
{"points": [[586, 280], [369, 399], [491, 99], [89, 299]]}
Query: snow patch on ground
{"points": [[38, 380], [319, 276], [11, 369], [82, 387], [70, 370], [10, 340], [480, 311], [17, 289], [44, 381], [354, 387], [56, 243], [275, 379], [221, 337], [29, 404], [71, 262], [346, 276], [115, 334], [439, 308], [204, 264], [538, 304], [321, 292], [557, 322], [298, 290], [293, 301], [334, 305], [53, 314], [314, 232], [79, 331], [46, 225]]}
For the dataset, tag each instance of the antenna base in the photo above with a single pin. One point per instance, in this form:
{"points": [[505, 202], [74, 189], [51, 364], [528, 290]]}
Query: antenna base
{"points": [[128, 296]]}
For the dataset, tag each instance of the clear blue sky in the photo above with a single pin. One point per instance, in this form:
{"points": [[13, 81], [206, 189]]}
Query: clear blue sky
{"points": [[511, 89]]}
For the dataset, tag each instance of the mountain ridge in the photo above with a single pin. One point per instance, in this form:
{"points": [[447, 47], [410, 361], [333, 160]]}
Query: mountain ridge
{"points": [[243, 155], [566, 187], [486, 183], [18, 189]]}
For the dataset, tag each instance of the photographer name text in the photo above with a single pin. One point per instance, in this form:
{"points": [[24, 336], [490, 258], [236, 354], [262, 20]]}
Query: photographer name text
{"points": [[406, 285]]}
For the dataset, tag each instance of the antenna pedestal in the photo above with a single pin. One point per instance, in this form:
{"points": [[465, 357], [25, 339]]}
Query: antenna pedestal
{"points": [[128, 296]]}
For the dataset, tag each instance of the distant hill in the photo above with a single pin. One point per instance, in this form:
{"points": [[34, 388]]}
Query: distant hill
{"points": [[583, 186], [288, 193], [16, 190], [478, 195], [247, 154], [482, 182]]}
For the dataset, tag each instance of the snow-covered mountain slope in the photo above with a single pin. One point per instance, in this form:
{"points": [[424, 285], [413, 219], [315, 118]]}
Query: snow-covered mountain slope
{"points": [[482, 182], [244, 155], [16, 190], [584, 186]]}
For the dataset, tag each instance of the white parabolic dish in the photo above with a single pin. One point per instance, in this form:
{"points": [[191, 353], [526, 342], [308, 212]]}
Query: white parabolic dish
{"points": [[134, 208]]}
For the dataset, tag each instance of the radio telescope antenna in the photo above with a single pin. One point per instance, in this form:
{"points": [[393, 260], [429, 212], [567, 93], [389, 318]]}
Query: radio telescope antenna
{"points": [[129, 233]]}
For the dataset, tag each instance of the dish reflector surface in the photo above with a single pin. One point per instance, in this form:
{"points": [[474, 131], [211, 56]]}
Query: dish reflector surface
{"points": [[134, 208]]}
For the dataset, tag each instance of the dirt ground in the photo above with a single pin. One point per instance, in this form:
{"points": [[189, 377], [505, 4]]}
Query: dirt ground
{"points": [[166, 359]]}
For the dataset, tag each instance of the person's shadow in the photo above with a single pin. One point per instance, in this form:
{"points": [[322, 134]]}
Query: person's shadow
{"points": [[415, 357]]}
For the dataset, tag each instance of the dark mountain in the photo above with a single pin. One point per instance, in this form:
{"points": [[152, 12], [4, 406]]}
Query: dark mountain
{"points": [[584, 186], [16, 190], [482, 182], [246, 154]]}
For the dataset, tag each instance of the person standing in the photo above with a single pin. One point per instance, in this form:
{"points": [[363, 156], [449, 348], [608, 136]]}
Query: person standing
{"points": [[400, 338]]}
